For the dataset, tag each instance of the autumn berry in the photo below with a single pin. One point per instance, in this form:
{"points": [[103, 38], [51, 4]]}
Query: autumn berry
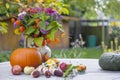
{"points": [[48, 40], [37, 20], [36, 26], [22, 28], [44, 43], [18, 22], [56, 41], [12, 20], [36, 35]]}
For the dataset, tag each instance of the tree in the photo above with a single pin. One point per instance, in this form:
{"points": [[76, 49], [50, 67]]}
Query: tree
{"points": [[87, 8], [81, 8], [112, 8]]}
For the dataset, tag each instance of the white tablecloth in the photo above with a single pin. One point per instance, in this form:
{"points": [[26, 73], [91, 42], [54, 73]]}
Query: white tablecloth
{"points": [[93, 72]]}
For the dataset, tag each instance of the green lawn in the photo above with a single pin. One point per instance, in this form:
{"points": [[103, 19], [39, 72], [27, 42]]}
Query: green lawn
{"points": [[78, 53], [4, 56], [64, 53]]}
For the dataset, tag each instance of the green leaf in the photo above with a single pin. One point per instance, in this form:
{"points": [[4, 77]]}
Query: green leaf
{"points": [[30, 22], [51, 34], [57, 25], [54, 24], [3, 24], [7, 14], [38, 41], [64, 11], [36, 16], [3, 30], [69, 65], [37, 31], [42, 25], [7, 5], [42, 14], [29, 30], [67, 72], [74, 67]]}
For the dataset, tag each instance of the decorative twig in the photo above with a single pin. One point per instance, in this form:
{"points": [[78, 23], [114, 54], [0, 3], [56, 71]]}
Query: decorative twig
{"points": [[78, 42]]}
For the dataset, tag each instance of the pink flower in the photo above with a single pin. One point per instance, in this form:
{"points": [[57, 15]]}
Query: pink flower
{"points": [[51, 12]]}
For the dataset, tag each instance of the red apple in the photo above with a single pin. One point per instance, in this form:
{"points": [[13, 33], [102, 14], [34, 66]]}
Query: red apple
{"points": [[63, 66], [16, 70]]}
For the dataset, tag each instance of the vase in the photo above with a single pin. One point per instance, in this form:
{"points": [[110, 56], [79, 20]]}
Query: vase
{"points": [[45, 50]]}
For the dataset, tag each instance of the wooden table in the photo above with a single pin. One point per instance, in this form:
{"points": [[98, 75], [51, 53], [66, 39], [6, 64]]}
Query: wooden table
{"points": [[93, 72]]}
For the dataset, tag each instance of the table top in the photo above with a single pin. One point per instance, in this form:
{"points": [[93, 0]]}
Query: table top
{"points": [[93, 72]]}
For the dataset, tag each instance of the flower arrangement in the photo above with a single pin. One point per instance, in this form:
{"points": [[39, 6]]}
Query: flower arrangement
{"points": [[39, 23]]}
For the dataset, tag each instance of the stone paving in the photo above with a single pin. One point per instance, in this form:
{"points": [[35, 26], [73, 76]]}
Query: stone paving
{"points": [[93, 72]]}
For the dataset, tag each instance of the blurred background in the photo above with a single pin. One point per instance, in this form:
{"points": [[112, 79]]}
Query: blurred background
{"points": [[91, 28]]}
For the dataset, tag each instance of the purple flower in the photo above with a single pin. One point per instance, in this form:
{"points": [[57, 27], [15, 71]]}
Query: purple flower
{"points": [[39, 10], [15, 25], [36, 10], [47, 23], [51, 12], [44, 31], [58, 16], [21, 15]]}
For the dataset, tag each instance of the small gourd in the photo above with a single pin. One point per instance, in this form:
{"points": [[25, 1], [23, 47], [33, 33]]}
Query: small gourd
{"points": [[28, 70], [110, 61]]}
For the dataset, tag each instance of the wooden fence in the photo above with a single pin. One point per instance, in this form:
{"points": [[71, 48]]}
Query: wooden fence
{"points": [[9, 41]]}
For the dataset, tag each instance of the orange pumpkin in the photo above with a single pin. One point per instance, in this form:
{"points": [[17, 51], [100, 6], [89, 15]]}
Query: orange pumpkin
{"points": [[25, 57]]}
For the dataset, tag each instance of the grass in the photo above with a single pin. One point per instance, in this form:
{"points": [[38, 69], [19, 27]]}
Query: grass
{"points": [[78, 53], [93, 53], [4, 56]]}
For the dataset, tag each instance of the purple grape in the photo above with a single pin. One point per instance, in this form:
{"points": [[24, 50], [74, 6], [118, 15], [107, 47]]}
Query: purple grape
{"points": [[48, 74], [58, 73], [36, 74]]}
